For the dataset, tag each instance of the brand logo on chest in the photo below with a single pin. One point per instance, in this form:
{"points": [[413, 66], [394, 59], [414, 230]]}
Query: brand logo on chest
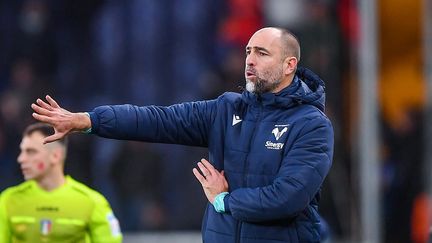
{"points": [[278, 132], [236, 119]]}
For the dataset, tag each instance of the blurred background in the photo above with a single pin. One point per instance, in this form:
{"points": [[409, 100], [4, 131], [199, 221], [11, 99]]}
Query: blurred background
{"points": [[371, 54]]}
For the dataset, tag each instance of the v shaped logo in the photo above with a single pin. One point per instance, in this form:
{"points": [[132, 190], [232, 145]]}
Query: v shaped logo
{"points": [[278, 133], [236, 119]]}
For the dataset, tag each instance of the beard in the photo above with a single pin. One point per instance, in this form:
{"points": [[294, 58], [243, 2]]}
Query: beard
{"points": [[265, 82]]}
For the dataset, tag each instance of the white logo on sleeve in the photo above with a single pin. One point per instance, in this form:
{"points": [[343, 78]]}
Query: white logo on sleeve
{"points": [[114, 225], [236, 119]]}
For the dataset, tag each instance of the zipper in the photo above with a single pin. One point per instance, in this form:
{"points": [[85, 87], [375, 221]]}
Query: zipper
{"points": [[246, 167]]}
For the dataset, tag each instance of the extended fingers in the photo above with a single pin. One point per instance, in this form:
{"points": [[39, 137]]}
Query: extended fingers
{"points": [[40, 110], [207, 164], [203, 169], [56, 136], [44, 119], [43, 104], [52, 102], [207, 171], [198, 175]]}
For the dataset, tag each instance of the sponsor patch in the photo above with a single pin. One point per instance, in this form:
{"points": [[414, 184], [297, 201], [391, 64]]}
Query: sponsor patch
{"points": [[272, 145]]}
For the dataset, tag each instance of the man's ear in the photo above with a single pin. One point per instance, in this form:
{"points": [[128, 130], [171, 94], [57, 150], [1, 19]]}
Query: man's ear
{"points": [[290, 65], [57, 154]]}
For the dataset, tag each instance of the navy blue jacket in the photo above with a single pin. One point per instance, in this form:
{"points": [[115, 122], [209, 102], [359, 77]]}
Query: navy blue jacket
{"points": [[275, 149]]}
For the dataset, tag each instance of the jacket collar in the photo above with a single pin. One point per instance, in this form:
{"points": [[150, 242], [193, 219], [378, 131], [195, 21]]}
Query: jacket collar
{"points": [[306, 88]]}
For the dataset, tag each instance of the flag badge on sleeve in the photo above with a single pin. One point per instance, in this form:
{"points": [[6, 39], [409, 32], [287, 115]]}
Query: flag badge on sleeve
{"points": [[114, 224]]}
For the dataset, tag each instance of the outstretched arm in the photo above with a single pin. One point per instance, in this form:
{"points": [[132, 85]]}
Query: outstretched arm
{"points": [[63, 121]]}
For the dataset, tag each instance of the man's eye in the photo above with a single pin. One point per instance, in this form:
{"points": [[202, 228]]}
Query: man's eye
{"points": [[31, 152], [262, 54], [247, 53]]}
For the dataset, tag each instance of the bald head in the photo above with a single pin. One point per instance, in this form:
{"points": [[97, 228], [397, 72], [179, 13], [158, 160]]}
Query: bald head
{"points": [[272, 55], [289, 42]]}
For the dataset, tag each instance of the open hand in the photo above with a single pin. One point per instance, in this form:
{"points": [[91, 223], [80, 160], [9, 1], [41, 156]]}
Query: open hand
{"points": [[213, 181], [63, 121]]}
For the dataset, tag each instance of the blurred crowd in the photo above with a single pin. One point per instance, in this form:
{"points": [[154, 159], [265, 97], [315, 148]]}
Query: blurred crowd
{"points": [[88, 53]]}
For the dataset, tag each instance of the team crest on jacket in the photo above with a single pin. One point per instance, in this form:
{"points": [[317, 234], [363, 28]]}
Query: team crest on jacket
{"points": [[278, 132]]}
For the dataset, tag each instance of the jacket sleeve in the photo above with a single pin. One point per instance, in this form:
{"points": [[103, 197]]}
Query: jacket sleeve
{"points": [[5, 231], [104, 226], [186, 123], [300, 177]]}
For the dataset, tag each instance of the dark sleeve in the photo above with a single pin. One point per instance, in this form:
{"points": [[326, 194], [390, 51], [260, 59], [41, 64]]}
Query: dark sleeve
{"points": [[186, 123], [300, 177]]}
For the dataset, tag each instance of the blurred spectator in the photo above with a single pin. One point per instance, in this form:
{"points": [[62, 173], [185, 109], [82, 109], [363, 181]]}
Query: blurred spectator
{"points": [[9, 172], [421, 219], [15, 114], [401, 167], [243, 18], [137, 173], [75, 72], [289, 13], [240, 20], [34, 37], [401, 84], [402, 96], [228, 76]]}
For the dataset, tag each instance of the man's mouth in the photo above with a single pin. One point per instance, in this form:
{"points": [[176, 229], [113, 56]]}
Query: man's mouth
{"points": [[250, 74]]}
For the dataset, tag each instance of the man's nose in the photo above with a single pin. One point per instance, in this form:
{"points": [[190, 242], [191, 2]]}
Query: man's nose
{"points": [[20, 158], [250, 60]]}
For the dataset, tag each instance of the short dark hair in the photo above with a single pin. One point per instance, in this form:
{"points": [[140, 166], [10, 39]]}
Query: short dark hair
{"points": [[45, 129], [290, 43]]}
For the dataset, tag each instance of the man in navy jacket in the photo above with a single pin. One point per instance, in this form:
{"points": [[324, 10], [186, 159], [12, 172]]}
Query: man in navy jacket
{"points": [[270, 148]]}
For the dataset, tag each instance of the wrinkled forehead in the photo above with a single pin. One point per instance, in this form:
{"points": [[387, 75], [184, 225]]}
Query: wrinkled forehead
{"points": [[266, 38]]}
